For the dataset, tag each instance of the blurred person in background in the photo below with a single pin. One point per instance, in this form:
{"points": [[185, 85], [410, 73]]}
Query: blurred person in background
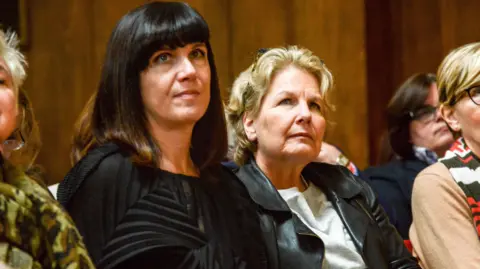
{"points": [[417, 136]]}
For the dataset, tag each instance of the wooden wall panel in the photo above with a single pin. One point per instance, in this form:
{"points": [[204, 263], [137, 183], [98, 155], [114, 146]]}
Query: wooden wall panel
{"points": [[459, 23], [419, 39], [106, 14], [380, 66], [60, 64], [253, 25], [334, 30], [68, 41], [407, 37]]}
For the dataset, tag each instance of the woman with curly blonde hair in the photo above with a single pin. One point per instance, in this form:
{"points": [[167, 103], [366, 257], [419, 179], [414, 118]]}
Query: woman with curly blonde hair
{"points": [[314, 214]]}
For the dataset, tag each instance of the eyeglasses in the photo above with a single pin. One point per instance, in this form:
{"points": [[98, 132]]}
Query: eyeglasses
{"points": [[424, 114], [14, 142], [472, 92]]}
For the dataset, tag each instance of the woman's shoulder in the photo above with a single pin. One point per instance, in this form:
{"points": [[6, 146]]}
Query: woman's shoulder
{"points": [[435, 175], [104, 171], [433, 180], [437, 170]]}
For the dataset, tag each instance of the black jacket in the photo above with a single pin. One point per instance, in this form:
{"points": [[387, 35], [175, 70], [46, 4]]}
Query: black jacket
{"points": [[134, 216], [291, 244], [393, 184]]}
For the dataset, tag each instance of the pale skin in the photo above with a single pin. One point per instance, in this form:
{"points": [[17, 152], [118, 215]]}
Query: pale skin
{"points": [[328, 154], [289, 127], [464, 117], [8, 103], [176, 93], [433, 135], [3, 266]]}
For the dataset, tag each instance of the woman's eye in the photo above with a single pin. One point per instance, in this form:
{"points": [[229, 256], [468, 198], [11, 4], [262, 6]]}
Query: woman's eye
{"points": [[162, 58], [286, 101], [3, 82], [316, 106], [198, 53], [475, 91]]}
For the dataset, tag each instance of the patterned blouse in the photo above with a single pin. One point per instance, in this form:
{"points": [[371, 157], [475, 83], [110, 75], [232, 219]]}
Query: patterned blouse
{"points": [[35, 231]]}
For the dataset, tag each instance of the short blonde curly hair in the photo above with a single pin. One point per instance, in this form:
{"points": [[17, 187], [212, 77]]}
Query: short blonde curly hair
{"points": [[13, 58], [458, 71], [252, 85]]}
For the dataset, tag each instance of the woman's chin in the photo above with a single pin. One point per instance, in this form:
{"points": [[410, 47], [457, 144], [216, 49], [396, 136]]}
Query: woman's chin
{"points": [[302, 156]]}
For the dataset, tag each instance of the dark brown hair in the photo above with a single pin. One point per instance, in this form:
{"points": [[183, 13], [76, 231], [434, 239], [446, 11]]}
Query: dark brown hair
{"points": [[411, 96], [115, 113]]}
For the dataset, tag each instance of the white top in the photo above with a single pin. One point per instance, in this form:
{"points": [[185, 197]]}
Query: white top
{"points": [[315, 211], [53, 189]]}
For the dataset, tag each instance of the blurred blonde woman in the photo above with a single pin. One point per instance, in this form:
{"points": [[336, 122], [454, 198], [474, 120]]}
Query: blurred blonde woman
{"points": [[315, 215], [446, 195]]}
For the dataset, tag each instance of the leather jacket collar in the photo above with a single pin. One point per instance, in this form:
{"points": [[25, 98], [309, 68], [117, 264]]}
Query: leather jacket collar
{"points": [[330, 180], [355, 202], [338, 185]]}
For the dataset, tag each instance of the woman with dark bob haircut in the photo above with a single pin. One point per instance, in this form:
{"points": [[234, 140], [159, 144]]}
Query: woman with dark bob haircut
{"points": [[147, 189]]}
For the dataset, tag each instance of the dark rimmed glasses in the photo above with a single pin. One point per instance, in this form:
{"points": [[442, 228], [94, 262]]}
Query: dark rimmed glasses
{"points": [[472, 92], [424, 114]]}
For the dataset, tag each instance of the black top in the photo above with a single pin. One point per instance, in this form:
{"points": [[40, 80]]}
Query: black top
{"points": [[393, 183], [141, 217]]}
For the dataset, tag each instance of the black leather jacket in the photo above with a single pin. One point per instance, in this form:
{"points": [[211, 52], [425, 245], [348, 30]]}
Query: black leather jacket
{"points": [[291, 244]]}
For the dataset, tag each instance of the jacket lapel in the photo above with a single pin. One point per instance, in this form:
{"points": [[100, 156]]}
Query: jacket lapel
{"points": [[355, 221], [344, 192], [260, 188], [264, 194], [337, 183]]}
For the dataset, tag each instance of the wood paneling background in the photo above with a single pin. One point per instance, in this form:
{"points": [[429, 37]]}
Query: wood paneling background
{"points": [[68, 40], [407, 37], [371, 46]]}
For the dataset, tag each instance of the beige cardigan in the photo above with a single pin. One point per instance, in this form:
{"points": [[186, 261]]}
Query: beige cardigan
{"points": [[442, 233]]}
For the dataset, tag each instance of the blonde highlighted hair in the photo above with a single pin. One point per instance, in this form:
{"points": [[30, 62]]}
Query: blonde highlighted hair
{"points": [[13, 58], [458, 71], [252, 85]]}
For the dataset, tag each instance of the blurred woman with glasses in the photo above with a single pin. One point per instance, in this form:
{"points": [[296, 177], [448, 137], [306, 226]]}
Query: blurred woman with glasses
{"points": [[446, 196], [418, 136]]}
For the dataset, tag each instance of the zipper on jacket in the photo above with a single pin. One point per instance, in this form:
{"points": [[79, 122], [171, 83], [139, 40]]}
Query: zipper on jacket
{"points": [[365, 210]]}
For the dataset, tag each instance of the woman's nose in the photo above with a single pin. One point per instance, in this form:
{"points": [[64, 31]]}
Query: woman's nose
{"points": [[186, 69], [304, 114]]}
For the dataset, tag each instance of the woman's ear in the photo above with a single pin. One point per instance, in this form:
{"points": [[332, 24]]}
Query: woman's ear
{"points": [[249, 127], [450, 117]]}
